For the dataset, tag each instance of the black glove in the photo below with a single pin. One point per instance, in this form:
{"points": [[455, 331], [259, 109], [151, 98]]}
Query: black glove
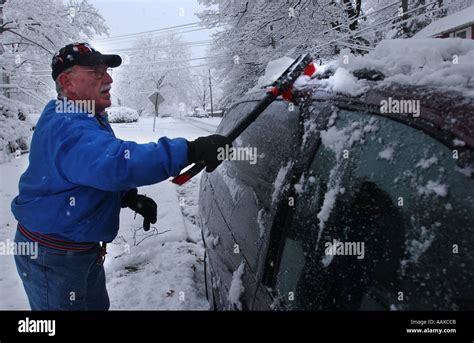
{"points": [[204, 149], [141, 204]]}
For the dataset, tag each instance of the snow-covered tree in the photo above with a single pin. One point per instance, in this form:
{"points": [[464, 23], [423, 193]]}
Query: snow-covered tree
{"points": [[251, 33], [407, 17], [155, 64], [422, 12], [31, 31]]}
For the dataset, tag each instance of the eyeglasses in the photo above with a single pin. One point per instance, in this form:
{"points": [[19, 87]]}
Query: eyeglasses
{"points": [[98, 73]]}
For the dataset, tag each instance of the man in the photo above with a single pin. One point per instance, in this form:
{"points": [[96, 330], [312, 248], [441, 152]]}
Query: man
{"points": [[79, 176]]}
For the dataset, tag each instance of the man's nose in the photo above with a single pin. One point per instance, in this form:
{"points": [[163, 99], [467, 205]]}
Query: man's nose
{"points": [[107, 78]]}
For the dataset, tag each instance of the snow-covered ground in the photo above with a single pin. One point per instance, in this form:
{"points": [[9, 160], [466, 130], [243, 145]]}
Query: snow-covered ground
{"points": [[161, 270]]}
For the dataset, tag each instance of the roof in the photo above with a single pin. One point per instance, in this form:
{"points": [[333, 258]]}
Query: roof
{"points": [[449, 23]]}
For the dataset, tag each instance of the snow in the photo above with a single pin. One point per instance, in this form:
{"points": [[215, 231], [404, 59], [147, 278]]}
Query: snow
{"points": [[333, 116], [337, 140], [458, 19], [232, 183], [458, 142], [236, 287], [163, 272], [466, 171], [279, 181], [12, 129], [446, 63], [211, 240], [387, 154], [122, 115], [261, 222], [371, 126], [327, 259], [416, 247], [344, 82], [299, 186], [328, 204], [426, 62], [309, 128], [433, 187], [273, 70], [426, 163]]}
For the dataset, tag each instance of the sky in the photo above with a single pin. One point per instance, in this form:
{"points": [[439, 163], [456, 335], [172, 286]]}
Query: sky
{"points": [[132, 16]]}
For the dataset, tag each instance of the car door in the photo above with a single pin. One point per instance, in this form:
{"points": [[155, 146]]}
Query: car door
{"points": [[241, 189]]}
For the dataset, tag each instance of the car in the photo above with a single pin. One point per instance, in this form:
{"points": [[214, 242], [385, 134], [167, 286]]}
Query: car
{"points": [[200, 113], [348, 207]]}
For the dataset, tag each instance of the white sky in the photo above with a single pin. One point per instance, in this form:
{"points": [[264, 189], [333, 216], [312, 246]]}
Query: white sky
{"points": [[132, 16]]}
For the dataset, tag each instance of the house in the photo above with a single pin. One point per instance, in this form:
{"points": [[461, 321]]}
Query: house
{"points": [[459, 24]]}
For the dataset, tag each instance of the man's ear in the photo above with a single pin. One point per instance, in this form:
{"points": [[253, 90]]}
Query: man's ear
{"points": [[65, 82]]}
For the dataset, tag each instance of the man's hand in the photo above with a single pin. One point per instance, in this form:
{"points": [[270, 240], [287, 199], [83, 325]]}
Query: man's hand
{"points": [[141, 204], [205, 149]]}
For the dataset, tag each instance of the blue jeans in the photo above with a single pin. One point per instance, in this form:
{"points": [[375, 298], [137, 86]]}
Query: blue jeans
{"points": [[62, 280]]}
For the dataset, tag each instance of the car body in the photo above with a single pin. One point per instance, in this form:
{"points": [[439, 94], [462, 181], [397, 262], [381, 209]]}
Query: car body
{"points": [[333, 173], [200, 113]]}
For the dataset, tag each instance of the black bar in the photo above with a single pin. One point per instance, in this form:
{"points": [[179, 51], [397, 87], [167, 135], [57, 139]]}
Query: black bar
{"points": [[385, 326]]}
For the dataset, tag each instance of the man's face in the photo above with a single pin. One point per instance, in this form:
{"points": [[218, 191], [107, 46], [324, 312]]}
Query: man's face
{"points": [[88, 83]]}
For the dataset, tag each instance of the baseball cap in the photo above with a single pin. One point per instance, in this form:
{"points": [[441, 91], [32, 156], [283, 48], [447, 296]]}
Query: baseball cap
{"points": [[81, 54]]}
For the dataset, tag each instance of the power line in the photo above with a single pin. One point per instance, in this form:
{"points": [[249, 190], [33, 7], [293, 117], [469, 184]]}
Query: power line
{"points": [[189, 44], [358, 18], [149, 63], [174, 61], [357, 33], [131, 40], [147, 32], [160, 69]]}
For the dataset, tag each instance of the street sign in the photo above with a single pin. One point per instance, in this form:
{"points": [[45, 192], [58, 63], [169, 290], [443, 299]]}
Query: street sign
{"points": [[156, 99]]}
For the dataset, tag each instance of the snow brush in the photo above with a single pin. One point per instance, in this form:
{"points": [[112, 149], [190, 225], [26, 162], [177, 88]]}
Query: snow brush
{"points": [[282, 86]]}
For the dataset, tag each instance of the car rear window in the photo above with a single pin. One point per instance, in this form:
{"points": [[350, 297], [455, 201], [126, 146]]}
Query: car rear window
{"points": [[399, 208]]}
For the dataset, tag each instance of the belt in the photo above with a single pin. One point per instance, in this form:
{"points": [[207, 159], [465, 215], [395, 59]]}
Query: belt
{"points": [[55, 243]]}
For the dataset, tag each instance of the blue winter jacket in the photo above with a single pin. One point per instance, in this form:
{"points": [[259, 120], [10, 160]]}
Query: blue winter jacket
{"points": [[78, 172]]}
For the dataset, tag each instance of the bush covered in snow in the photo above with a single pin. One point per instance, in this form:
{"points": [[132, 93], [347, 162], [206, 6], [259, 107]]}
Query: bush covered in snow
{"points": [[122, 115], [15, 128]]}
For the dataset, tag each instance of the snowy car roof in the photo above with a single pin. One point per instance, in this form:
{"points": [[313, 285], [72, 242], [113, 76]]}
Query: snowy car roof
{"points": [[443, 63]]}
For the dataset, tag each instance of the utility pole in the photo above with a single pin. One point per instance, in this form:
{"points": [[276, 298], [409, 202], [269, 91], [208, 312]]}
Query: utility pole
{"points": [[404, 9], [210, 93], [4, 77]]}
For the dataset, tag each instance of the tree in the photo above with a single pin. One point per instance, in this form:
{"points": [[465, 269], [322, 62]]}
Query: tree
{"points": [[421, 13], [33, 30], [156, 64], [30, 32], [251, 33], [200, 86]]}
